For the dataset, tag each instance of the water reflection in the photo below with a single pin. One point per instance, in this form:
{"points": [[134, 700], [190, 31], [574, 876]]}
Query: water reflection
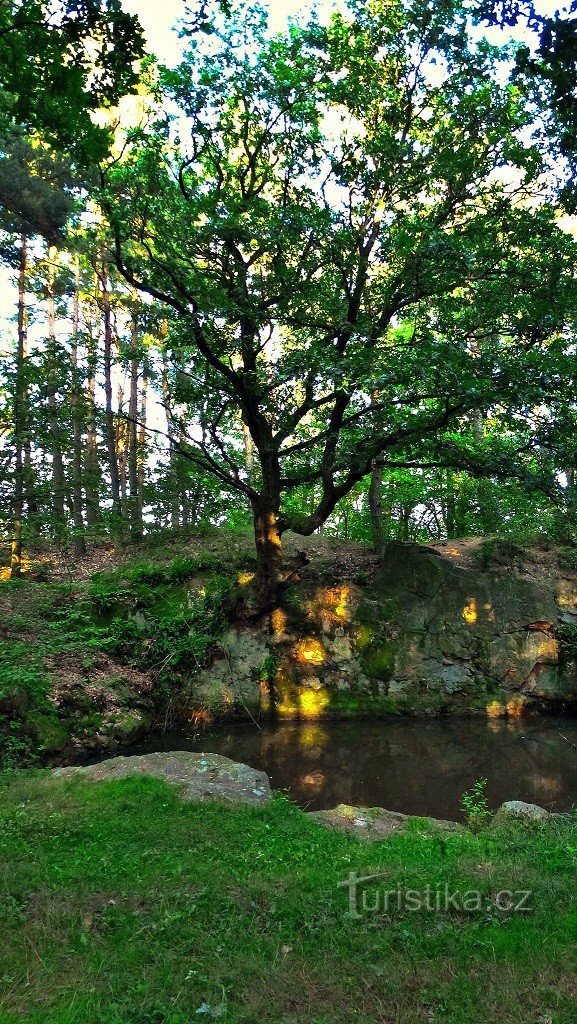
{"points": [[412, 766]]}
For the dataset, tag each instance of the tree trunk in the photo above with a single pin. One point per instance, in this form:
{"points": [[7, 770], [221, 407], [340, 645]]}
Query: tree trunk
{"points": [[121, 443], [376, 508], [186, 514], [110, 431], [269, 557], [91, 463], [478, 422], [450, 506], [19, 421], [17, 516], [58, 477], [136, 526], [33, 520], [248, 445], [77, 509], [173, 482], [141, 465], [405, 521]]}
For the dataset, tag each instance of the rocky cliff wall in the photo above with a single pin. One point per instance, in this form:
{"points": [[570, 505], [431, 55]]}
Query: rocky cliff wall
{"points": [[427, 633]]}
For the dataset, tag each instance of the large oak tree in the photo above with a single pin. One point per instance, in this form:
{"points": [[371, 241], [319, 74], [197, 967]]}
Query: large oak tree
{"points": [[347, 222]]}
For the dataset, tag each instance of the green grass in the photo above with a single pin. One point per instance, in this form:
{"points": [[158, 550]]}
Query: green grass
{"points": [[119, 904]]}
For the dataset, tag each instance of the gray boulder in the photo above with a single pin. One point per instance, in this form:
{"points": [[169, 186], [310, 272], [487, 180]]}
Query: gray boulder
{"points": [[372, 823], [197, 776], [520, 809]]}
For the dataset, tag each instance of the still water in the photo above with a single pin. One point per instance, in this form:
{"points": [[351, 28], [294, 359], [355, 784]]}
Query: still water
{"points": [[415, 766]]}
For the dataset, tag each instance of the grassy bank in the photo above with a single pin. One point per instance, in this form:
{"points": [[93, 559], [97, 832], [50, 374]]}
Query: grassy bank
{"points": [[121, 905], [87, 663]]}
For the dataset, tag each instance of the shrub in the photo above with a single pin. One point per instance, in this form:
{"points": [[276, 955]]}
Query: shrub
{"points": [[475, 806]]}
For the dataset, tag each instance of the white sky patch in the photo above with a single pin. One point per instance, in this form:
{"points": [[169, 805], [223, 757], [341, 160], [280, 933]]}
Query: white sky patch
{"points": [[159, 18]]}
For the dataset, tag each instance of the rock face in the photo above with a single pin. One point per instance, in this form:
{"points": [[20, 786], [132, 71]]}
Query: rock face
{"points": [[461, 637], [198, 776], [423, 635]]}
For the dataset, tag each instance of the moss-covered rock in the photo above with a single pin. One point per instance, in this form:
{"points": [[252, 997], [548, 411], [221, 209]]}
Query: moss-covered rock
{"points": [[51, 734], [378, 660], [415, 632], [422, 636]]}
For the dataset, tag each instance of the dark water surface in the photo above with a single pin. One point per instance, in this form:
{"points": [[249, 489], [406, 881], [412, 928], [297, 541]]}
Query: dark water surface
{"points": [[415, 766]]}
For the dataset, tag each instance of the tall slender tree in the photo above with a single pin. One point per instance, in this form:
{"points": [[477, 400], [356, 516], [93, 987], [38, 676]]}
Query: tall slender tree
{"points": [[19, 418], [77, 419]]}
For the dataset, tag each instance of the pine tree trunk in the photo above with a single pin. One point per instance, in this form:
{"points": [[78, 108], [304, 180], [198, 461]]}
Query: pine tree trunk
{"points": [[32, 517], [136, 525], [110, 431], [121, 442], [19, 421], [77, 504], [142, 412], [91, 462], [58, 477], [173, 487]]}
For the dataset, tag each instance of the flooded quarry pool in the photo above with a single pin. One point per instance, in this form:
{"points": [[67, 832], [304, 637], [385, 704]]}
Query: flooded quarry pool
{"points": [[415, 766]]}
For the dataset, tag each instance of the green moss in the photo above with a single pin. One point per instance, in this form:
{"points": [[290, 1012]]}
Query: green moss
{"points": [[358, 704], [294, 603], [378, 660], [50, 733], [364, 635], [368, 613], [124, 724], [427, 703]]}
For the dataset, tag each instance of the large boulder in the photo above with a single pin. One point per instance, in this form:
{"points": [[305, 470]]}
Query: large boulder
{"points": [[518, 809], [197, 776]]}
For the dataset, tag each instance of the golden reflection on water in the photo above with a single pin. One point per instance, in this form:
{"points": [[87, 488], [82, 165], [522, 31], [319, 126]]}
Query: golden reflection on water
{"points": [[312, 736], [297, 700], [313, 782], [278, 621], [516, 707], [495, 709]]}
